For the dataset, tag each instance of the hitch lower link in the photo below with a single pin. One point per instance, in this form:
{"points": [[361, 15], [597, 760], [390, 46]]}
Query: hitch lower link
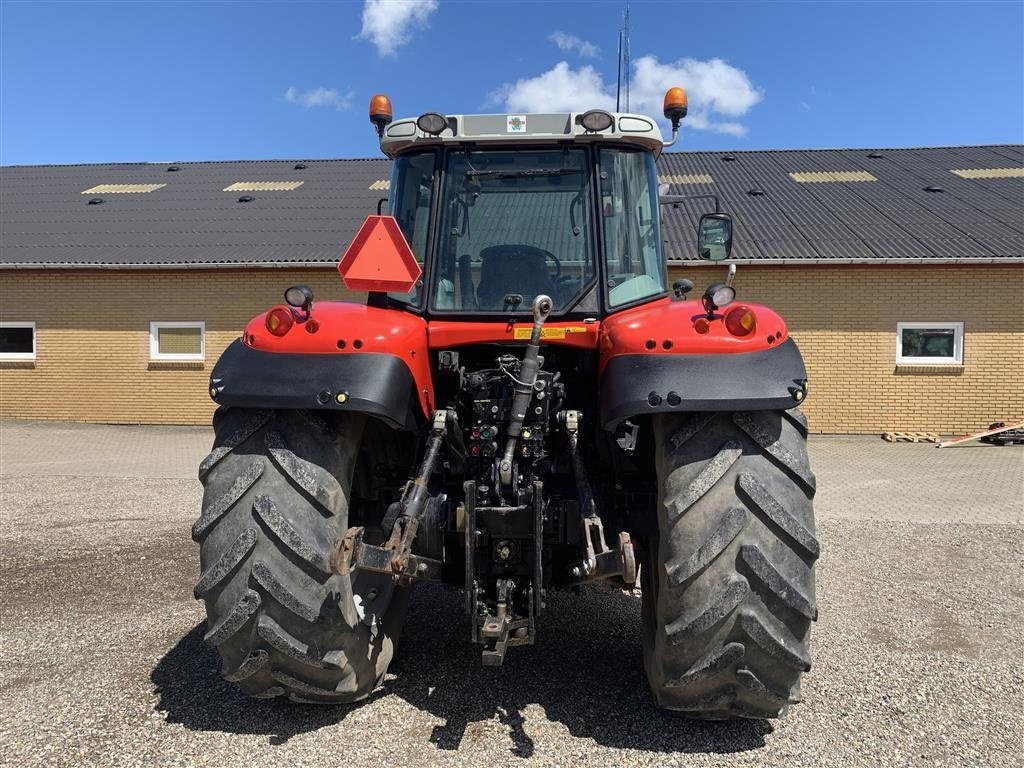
{"points": [[601, 561], [395, 558]]}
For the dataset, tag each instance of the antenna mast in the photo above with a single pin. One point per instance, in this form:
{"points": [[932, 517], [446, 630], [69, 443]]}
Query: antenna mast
{"points": [[622, 83]]}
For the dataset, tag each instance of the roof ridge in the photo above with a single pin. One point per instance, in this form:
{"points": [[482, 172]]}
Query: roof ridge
{"points": [[269, 161], [147, 163], [845, 149]]}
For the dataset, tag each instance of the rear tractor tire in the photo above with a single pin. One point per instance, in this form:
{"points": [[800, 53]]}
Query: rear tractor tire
{"points": [[276, 494], [728, 594]]}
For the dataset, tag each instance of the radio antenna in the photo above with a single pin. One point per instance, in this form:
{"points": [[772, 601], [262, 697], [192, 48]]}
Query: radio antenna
{"points": [[622, 83]]}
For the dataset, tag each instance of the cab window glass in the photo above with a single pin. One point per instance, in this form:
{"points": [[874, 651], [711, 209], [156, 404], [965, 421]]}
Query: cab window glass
{"points": [[632, 238], [516, 224], [411, 196]]}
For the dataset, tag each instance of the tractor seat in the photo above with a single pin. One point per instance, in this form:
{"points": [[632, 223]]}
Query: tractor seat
{"points": [[506, 269]]}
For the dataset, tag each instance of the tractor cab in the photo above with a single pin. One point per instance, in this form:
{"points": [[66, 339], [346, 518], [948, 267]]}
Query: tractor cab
{"points": [[500, 209]]}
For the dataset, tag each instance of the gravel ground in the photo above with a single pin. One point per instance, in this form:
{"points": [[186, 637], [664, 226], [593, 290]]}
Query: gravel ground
{"points": [[917, 652]]}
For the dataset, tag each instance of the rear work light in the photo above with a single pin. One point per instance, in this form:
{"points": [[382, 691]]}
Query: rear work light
{"points": [[280, 320], [596, 120], [433, 123], [740, 321]]}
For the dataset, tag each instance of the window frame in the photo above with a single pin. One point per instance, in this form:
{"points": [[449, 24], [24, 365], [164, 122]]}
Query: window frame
{"points": [[958, 344], [156, 356], [437, 232], [392, 297], [30, 356], [609, 308]]}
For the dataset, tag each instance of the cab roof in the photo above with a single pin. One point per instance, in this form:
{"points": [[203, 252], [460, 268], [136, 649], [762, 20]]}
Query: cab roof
{"points": [[510, 129]]}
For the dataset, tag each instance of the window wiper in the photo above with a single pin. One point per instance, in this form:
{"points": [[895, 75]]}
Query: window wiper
{"points": [[525, 172]]}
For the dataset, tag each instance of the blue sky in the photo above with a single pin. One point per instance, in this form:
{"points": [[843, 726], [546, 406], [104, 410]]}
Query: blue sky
{"points": [[98, 82]]}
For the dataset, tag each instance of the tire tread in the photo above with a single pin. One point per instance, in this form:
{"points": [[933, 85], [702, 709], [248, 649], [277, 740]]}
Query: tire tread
{"points": [[275, 497], [729, 584]]}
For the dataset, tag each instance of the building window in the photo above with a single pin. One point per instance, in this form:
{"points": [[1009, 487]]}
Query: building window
{"points": [[930, 344], [177, 341], [17, 341]]}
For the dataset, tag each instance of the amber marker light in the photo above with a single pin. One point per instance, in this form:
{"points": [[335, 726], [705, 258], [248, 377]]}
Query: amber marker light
{"points": [[675, 110], [675, 105], [280, 320], [380, 112], [740, 321]]}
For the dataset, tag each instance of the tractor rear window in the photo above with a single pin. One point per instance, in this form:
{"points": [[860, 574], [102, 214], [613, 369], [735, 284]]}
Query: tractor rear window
{"points": [[632, 240], [515, 224]]}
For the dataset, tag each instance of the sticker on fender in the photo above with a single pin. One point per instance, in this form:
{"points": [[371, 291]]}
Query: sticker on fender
{"points": [[523, 334]]}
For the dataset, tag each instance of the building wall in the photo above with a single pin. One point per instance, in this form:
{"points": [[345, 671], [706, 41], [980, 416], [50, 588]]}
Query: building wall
{"points": [[92, 338], [92, 361], [844, 320]]}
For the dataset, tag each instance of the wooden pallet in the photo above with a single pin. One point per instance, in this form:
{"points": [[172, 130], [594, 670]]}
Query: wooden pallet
{"points": [[911, 437]]}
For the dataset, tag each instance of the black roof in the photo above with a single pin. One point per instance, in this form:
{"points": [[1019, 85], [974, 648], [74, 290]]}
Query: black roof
{"points": [[47, 221]]}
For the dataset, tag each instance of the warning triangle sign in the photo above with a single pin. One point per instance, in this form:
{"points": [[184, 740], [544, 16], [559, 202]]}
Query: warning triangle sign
{"points": [[379, 258]]}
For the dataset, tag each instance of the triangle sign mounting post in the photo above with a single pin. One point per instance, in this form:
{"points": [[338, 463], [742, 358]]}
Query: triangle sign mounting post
{"points": [[379, 258]]}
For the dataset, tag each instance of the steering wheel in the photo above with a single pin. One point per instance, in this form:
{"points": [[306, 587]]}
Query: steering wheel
{"points": [[517, 265], [521, 249], [548, 256], [555, 261]]}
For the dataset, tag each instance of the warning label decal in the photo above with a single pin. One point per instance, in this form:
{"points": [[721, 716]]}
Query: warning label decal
{"points": [[523, 334]]}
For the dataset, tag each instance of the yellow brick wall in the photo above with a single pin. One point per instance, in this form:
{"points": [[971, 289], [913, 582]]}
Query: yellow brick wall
{"points": [[844, 319], [93, 364], [92, 338]]}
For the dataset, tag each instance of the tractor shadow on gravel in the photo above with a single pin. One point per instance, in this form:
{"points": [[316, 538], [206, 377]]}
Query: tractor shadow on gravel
{"points": [[192, 693], [585, 672]]}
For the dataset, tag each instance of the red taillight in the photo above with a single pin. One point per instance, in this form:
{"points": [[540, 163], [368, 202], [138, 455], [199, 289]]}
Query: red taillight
{"points": [[740, 321], [701, 325], [280, 320]]}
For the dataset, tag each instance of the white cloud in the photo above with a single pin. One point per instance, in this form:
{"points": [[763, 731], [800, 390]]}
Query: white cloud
{"points": [[714, 88], [560, 89], [719, 93], [320, 97], [569, 43], [389, 24]]}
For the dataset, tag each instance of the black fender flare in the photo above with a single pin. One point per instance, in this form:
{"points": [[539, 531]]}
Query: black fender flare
{"points": [[773, 379], [375, 383]]}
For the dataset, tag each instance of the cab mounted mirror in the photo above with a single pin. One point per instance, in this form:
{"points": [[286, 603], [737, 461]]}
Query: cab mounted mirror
{"points": [[714, 236]]}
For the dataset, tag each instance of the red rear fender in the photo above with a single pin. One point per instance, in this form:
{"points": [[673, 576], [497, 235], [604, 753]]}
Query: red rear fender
{"points": [[342, 328], [670, 356], [667, 327]]}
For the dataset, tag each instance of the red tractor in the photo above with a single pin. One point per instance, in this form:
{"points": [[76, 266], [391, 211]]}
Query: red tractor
{"points": [[521, 405]]}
